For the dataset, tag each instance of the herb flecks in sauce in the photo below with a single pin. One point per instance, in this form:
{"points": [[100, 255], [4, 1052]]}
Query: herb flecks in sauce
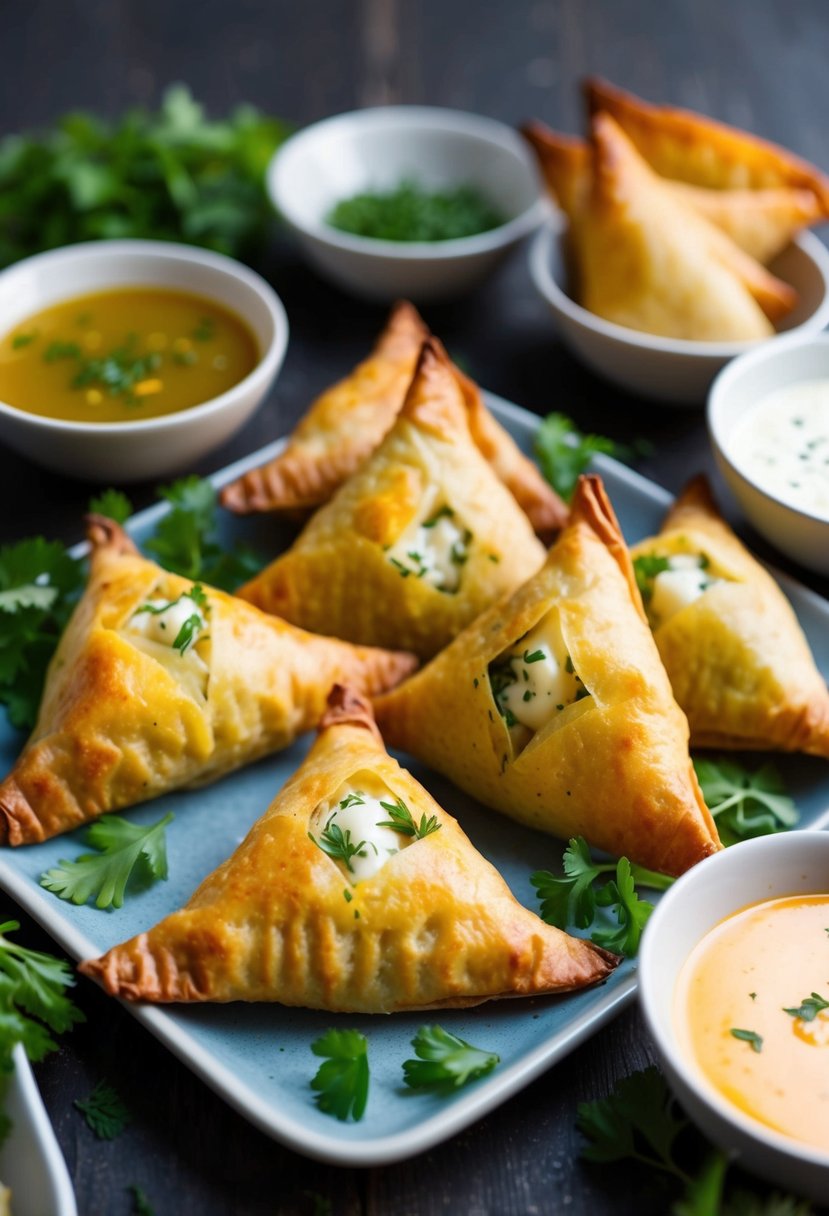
{"points": [[140, 353], [411, 213]]}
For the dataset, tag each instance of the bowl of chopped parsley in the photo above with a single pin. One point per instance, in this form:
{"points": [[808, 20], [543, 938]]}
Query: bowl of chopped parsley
{"points": [[409, 201]]}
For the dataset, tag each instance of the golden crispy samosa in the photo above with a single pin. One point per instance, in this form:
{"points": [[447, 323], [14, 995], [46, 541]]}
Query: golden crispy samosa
{"points": [[349, 420], [761, 222], [651, 263], [736, 656], [355, 892], [554, 707], [696, 149], [159, 684], [418, 542]]}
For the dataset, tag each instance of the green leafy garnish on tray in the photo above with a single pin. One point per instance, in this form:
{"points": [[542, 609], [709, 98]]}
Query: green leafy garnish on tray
{"points": [[412, 213], [444, 1061], [105, 1113], [141, 1205], [123, 849], [341, 1082], [186, 538], [745, 803], [575, 898], [33, 1000], [112, 503], [564, 452], [172, 175]]}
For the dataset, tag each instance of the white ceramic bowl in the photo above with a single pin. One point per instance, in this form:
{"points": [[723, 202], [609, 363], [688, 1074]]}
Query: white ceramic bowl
{"points": [[375, 149], [789, 864], [798, 534], [153, 447], [674, 371]]}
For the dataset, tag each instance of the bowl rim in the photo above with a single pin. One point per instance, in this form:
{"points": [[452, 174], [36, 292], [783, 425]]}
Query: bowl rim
{"points": [[804, 840], [266, 367], [439, 119], [722, 385], [548, 286]]}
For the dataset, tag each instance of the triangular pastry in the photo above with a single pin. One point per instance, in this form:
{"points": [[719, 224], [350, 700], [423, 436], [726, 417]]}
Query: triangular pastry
{"points": [[693, 148], [349, 421], [554, 707], [355, 892], [415, 544], [761, 222], [736, 656], [652, 263], [159, 684]]}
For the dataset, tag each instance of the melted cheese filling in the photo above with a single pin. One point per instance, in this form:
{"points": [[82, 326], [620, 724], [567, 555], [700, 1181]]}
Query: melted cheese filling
{"points": [[685, 580], [755, 973], [434, 551], [536, 679], [360, 843]]}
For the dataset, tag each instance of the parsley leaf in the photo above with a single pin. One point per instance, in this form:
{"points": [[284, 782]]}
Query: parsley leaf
{"points": [[186, 539], [638, 1120], [749, 1036], [124, 849], [445, 1062], [809, 1008], [338, 843], [113, 504], [401, 820], [104, 1112], [563, 452], [342, 1081], [39, 584], [33, 999], [573, 899], [745, 803]]}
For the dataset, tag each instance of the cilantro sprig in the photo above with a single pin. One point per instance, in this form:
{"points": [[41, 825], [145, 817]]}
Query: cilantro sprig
{"points": [[186, 539], [743, 802], [402, 821], [33, 1000], [112, 503], [639, 1121], [564, 452], [575, 898], [341, 1082], [105, 1113], [444, 1061], [124, 850]]}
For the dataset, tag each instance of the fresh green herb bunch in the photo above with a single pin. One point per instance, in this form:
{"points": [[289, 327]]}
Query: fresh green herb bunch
{"points": [[411, 213], [171, 175], [564, 452]]}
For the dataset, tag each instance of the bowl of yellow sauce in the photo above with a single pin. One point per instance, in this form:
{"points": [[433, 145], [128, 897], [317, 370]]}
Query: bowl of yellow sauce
{"points": [[125, 360], [734, 985]]}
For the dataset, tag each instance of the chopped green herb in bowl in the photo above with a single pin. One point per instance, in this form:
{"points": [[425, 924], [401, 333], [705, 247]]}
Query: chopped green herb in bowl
{"points": [[410, 212]]}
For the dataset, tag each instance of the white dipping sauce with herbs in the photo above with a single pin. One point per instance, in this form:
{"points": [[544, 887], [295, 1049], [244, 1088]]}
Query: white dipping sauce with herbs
{"points": [[782, 444]]}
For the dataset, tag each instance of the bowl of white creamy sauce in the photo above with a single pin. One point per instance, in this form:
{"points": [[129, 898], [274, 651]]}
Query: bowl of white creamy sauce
{"points": [[768, 417]]}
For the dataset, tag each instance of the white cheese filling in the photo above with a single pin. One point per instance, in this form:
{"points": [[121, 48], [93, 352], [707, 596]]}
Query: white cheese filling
{"points": [[685, 580], [434, 551], [536, 678], [351, 829], [163, 621]]}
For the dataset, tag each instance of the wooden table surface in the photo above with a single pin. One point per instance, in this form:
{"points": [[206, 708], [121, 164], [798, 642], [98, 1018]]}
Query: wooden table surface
{"points": [[757, 63]]}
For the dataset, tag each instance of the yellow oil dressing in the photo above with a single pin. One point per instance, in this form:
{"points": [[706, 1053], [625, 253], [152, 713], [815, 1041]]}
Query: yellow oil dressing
{"points": [[119, 356], [743, 976]]}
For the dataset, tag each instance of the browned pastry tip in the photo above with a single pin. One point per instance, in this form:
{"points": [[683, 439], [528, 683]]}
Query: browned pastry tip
{"points": [[105, 535], [347, 706]]}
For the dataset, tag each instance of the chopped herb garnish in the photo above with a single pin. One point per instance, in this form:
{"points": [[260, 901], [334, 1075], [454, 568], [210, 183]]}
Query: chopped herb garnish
{"points": [[535, 657], [442, 513], [753, 995], [341, 1083], [646, 569], [352, 800], [104, 1112], [411, 213], [347, 896], [338, 843], [809, 1008], [205, 331], [445, 1062], [21, 340], [401, 820], [61, 350], [749, 1036], [568, 666]]}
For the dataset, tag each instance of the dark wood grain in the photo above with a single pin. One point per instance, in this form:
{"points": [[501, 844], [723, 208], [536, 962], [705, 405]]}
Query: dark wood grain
{"points": [[758, 63]]}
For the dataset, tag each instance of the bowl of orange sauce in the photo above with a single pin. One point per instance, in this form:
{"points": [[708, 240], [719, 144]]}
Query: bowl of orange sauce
{"points": [[734, 985], [125, 360]]}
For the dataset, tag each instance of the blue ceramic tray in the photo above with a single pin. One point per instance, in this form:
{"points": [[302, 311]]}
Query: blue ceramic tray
{"points": [[258, 1057]]}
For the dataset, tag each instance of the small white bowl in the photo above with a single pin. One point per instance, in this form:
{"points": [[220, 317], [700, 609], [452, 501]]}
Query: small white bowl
{"points": [[769, 866], [151, 447], [375, 149], [798, 534], [675, 371]]}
